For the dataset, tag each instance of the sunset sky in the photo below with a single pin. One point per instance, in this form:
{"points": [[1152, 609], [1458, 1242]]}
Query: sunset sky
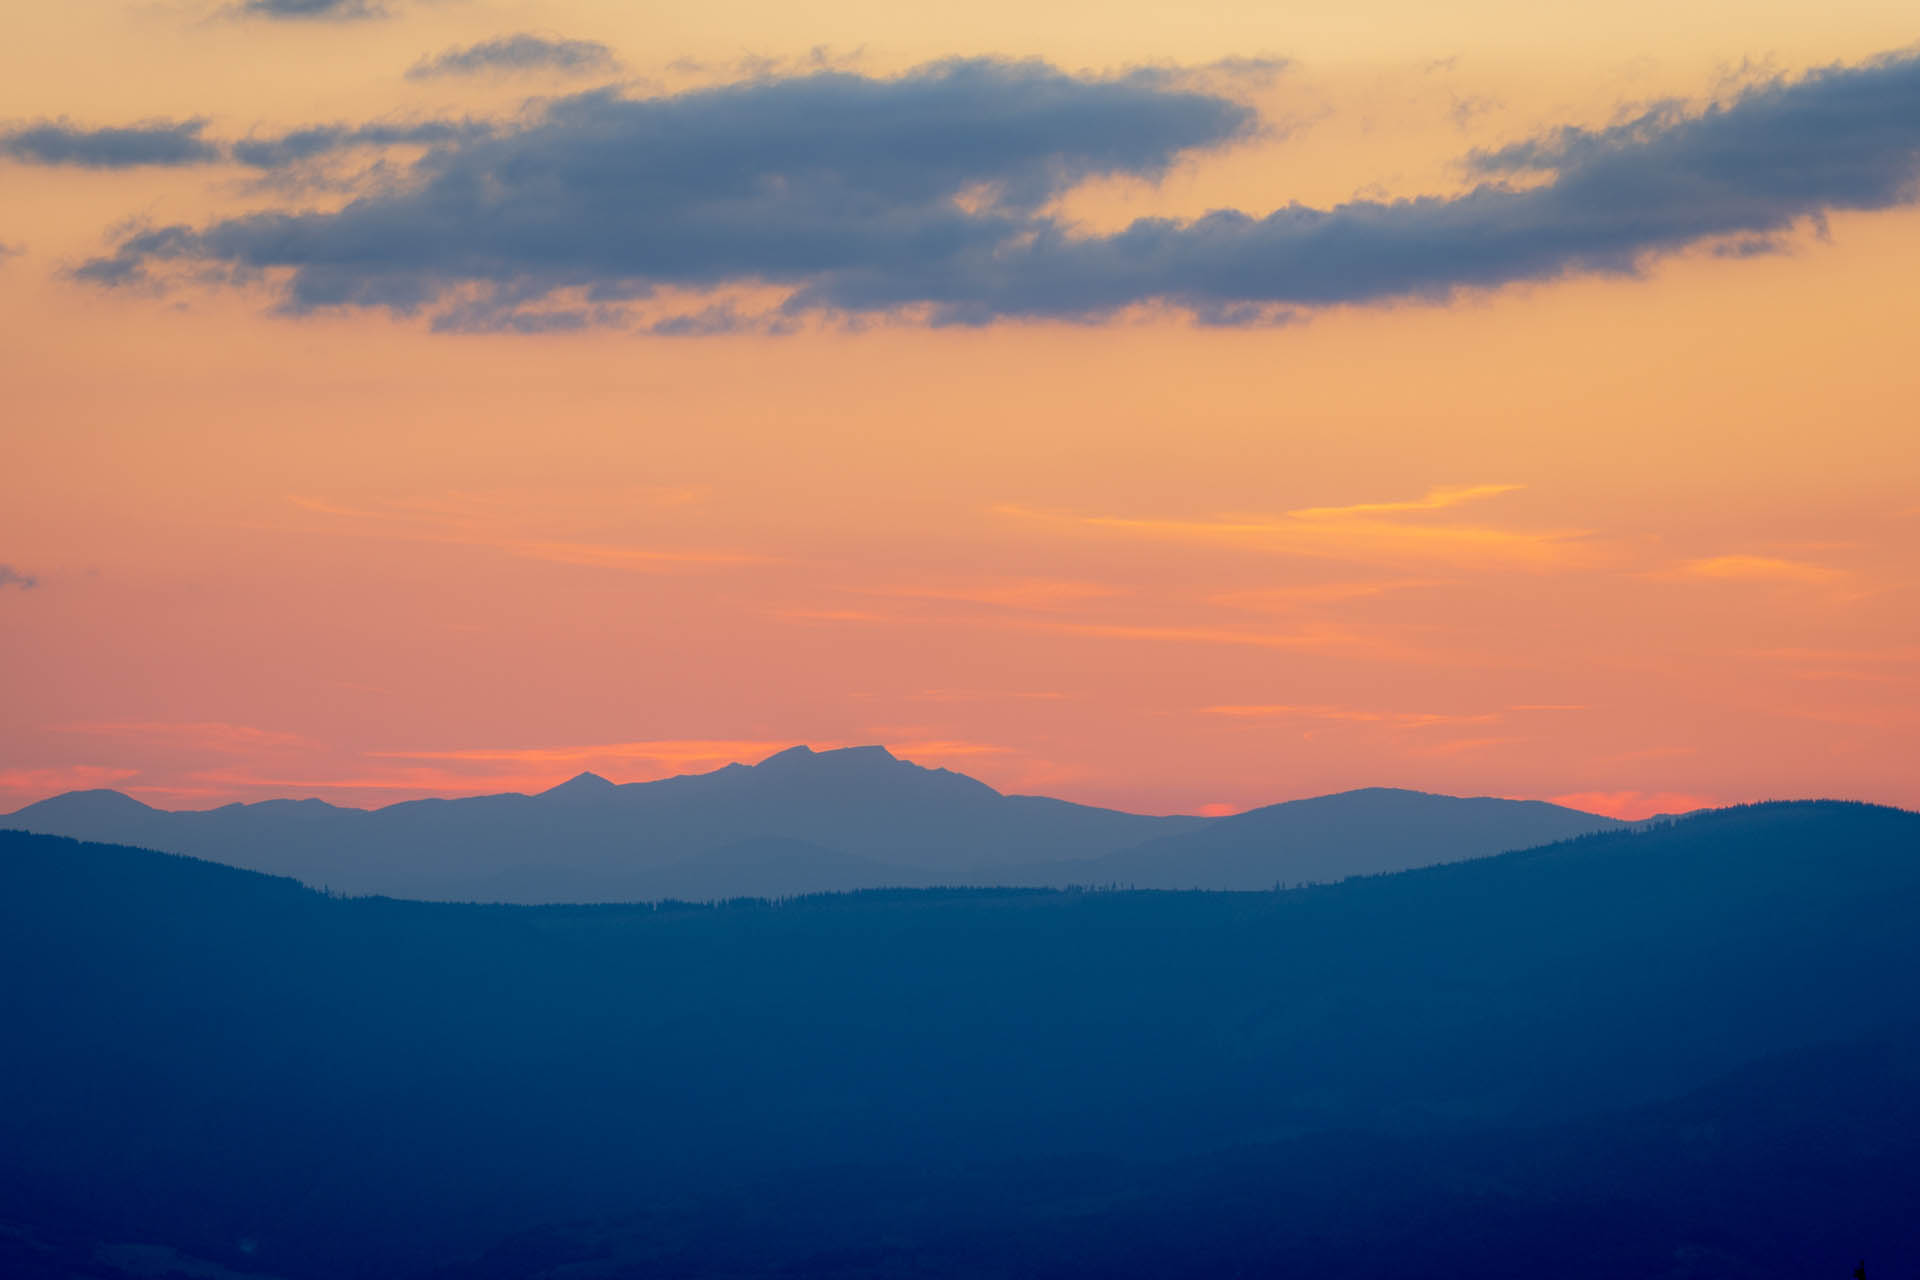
{"points": [[452, 395]]}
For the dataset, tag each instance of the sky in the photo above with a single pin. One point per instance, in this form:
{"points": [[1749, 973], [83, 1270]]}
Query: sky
{"points": [[1174, 409]]}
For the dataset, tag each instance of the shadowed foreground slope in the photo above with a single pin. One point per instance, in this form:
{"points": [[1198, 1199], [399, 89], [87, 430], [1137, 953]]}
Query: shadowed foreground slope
{"points": [[1789, 1168], [208, 1057]]}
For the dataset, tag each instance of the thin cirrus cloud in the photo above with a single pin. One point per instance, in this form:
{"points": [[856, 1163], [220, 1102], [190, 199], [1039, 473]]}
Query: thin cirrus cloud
{"points": [[1438, 498], [12, 577], [1377, 532], [523, 52], [1749, 568], [856, 196]]}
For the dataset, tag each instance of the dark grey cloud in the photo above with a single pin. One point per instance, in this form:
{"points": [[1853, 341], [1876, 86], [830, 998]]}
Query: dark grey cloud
{"points": [[523, 52], [313, 10], [151, 142], [927, 196], [12, 577], [779, 180]]}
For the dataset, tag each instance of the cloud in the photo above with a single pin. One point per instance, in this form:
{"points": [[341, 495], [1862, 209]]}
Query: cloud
{"points": [[1743, 568], [1372, 532], [1438, 498], [925, 197], [151, 142], [791, 182], [312, 10], [184, 142], [304, 145], [522, 52], [12, 577]]}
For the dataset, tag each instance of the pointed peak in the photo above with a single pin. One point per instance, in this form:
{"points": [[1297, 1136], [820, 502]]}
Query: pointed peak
{"points": [[585, 783], [792, 755]]}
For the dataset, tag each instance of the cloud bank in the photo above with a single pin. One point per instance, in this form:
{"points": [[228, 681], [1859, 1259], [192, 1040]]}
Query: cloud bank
{"points": [[926, 197], [12, 577], [522, 52]]}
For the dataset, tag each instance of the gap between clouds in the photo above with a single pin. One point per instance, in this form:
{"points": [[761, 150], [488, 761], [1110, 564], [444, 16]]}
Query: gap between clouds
{"points": [[455, 524], [925, 198]]}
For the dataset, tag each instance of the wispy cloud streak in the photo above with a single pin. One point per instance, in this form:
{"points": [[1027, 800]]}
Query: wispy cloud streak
{"points": [[1384, 532]]}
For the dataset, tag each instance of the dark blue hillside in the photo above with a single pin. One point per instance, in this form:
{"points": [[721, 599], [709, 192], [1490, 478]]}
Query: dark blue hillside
{"points": [[1795, 1166], [204, 1056]]}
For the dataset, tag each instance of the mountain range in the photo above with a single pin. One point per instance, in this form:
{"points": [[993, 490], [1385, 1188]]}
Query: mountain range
{"points": [[803, 821]]}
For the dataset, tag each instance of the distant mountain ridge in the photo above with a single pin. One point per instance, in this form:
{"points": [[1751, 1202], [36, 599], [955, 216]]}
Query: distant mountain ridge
{"points": [[803, 821]]}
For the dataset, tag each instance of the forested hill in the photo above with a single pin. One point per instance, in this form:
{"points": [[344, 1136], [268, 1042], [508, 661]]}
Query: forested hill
{"points": [[305, 1086]]}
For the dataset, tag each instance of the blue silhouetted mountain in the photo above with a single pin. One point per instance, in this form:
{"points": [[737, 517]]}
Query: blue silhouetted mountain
{"points": [[1508, 1048], [813, 821], [1330, 837]]}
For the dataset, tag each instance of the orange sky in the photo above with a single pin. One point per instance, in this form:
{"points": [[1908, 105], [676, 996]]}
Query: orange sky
{"points": [[1640, 542]]}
